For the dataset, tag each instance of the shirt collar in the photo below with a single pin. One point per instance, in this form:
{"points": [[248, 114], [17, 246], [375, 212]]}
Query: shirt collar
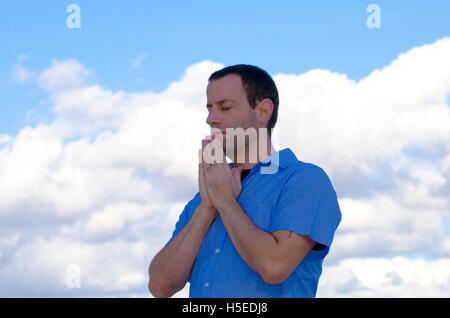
{"points": [[282, 158]]}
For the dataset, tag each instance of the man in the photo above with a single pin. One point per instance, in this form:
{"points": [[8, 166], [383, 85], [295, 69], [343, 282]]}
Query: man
{"points": [[247, 233]]}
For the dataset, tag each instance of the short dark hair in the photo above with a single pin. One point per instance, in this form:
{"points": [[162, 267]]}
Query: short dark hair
{"points": [[258, 85]]}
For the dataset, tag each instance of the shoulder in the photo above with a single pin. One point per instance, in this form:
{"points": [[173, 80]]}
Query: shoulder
{"points": [[195, 201], [307, 174], [190, 206]]}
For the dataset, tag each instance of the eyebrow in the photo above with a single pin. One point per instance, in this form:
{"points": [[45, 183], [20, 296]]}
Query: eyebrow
{"points": [[222, 101]]}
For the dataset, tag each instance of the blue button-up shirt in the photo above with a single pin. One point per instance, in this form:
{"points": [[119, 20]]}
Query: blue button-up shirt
{"points": [[299, 197]]}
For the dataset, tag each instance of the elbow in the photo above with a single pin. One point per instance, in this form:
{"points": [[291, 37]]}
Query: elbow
{"points": [[161, 287], [157, 291], [155, 287], [273, 279], [153, 290], [273, 274]]}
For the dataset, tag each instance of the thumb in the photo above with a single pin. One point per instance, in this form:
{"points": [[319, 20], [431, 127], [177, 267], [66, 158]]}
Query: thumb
{"points": [[237, 173]]}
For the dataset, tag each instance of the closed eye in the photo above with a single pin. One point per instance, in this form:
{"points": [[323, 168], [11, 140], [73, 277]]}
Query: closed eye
{"points": [[226, 107]]}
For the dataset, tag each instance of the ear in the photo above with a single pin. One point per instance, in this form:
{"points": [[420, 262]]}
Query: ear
{"points": [[264, 110]]}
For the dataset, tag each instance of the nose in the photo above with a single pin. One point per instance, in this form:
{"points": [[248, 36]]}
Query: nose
{"points": [[213, 119]]}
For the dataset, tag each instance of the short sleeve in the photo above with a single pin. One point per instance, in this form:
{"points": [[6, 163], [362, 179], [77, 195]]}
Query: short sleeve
{"points": [[308, 205], [185, 216]]}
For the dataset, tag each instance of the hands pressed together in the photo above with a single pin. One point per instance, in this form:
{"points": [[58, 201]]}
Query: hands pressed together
{"points": [[217, 182]]}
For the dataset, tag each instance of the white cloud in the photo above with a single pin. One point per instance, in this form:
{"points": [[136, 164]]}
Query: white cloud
{"points": [[63, 75], [103, 184], [136, 62], [361, 123], [384, 141], [110, 221], [382, 226], [383, 277], [5, 139], [21, 74], [104, 268], [98, 140]]}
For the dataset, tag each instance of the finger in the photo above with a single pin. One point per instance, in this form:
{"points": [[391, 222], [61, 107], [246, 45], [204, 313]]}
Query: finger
{"points": [[201, 177], [224, 157], [217, 138], [204, 163], [204, 143], [205, 155], [236, 173], [205, 169], [200, 167]]}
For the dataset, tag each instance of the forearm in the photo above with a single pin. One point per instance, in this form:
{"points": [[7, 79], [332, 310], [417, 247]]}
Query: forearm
{"points": [[171, 267], [257, 247]]}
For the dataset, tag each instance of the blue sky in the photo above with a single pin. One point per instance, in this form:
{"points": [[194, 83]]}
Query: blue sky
{"points": [[89, 177], [282, 37]]}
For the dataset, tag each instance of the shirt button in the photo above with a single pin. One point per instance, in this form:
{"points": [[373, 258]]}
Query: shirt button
{"points": [[207, 284], [217, 251]]}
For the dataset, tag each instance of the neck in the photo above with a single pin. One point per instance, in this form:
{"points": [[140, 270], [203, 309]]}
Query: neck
{"points": [[249, 160]]}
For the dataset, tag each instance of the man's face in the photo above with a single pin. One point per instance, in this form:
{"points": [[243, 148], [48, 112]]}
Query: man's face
{"points": [[228, 106]]}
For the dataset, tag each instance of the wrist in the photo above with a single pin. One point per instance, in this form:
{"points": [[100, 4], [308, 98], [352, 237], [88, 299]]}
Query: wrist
{"points": [[223, 203], [208, 208], [206, 212]]}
